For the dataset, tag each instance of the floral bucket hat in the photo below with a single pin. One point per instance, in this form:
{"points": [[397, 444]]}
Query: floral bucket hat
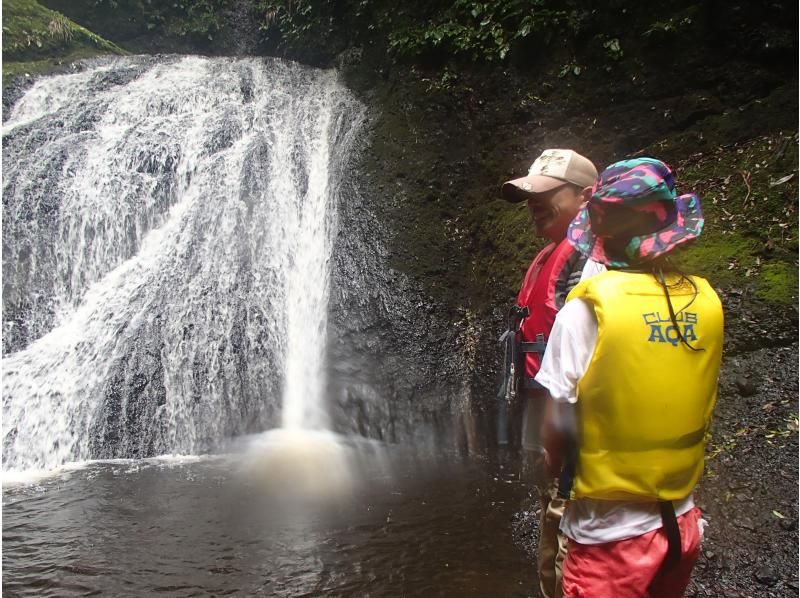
{"points": [[635, 200]]}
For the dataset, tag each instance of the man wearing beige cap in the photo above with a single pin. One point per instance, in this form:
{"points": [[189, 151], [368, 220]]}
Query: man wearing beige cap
{"points": [[556, 186]]}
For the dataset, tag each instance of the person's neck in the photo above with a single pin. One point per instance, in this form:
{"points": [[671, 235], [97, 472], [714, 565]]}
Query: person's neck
{"points": [[556, 236]]}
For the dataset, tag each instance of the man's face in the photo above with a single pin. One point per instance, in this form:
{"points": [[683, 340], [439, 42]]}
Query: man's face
{"points": [[552, 211]]}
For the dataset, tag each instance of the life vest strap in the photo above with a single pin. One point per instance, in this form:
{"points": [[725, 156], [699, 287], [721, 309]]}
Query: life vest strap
{"points": [[673, 532], [567, 476], [534, 347]]}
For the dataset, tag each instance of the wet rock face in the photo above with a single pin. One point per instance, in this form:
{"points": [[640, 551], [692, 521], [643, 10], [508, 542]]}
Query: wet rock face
{"points": [[12, 92], [395, 364], [438, 155]]}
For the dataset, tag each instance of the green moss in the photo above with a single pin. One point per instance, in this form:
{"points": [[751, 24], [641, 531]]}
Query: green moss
{"points": [[748, 192], [37, 39], [12, 70], [501, 233], [778, 283], [722, 259], [749, 189]]}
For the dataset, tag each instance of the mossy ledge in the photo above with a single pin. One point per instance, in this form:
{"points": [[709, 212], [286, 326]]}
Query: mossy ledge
{"points": [[37, 40]]}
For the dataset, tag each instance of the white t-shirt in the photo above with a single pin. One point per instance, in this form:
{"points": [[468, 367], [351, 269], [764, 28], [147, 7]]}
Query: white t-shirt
{"points": [[569, 350]]}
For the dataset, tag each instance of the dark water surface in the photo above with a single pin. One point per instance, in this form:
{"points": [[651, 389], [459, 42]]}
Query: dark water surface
{"points": [[186, 528]]}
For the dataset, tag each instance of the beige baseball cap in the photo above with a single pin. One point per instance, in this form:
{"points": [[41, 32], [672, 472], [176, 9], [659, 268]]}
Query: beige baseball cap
{"points": [[553, 168]]}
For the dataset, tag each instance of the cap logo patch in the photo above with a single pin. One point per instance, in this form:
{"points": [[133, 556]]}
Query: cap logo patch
{"points": [[550, 163]]}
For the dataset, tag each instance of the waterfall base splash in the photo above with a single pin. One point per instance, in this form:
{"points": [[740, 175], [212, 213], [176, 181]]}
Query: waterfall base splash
{"points": [[296, 465]]}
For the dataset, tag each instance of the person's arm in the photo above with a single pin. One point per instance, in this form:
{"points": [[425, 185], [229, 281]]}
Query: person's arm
{"points": [[559, 433], [569, 351]]}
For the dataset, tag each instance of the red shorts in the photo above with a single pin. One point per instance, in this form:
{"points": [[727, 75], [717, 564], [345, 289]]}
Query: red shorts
{"points": [[632, 568]]}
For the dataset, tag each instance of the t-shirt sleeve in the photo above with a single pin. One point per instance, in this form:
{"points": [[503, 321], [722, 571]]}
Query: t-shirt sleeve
{"points": [[592, 268], [569, 350]]}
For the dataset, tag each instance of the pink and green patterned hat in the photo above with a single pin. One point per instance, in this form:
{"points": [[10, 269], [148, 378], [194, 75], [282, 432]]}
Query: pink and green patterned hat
{"points": [[635, 199]]}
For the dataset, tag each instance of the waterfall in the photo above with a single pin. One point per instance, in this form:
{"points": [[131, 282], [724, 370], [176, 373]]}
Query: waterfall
{"points": [[168, 225]]}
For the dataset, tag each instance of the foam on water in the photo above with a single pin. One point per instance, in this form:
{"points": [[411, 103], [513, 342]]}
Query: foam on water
{"points": [[15, 478]]}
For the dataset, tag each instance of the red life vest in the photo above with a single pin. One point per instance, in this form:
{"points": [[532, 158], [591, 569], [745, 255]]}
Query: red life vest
{"points": [[538, 293]]}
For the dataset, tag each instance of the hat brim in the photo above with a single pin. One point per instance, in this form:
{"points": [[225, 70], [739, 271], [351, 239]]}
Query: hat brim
{"points": [[687, 226], [522, 188]]}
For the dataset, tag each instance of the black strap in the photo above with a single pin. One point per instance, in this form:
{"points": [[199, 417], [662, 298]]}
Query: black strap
{"points": [[535, 347], [567, 475], [531, 384], [670, 523]]}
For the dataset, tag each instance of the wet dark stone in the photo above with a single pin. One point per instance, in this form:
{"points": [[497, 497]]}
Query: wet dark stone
{"points": [[746, 388], [139, 382], [766, 576]]}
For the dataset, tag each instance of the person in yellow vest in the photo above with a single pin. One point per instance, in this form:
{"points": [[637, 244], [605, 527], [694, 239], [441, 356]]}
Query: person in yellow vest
{"points": [[554, 189], [632, 366]]}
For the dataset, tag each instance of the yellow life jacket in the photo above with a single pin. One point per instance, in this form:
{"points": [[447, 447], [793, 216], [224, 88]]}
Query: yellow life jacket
{"points": [[645, 401]]}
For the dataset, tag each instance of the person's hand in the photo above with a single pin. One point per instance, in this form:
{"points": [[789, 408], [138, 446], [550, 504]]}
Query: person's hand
{"points": [[535, 466], [553, 464]]}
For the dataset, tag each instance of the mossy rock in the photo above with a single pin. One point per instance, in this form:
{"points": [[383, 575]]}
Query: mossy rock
{"points": [[502, 234], [748, 192], [721, 258], [778, 283], [38, 40]]}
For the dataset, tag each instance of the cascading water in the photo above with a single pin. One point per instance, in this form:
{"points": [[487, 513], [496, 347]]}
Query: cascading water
{"points": [[173, 231], [167, 233]]}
